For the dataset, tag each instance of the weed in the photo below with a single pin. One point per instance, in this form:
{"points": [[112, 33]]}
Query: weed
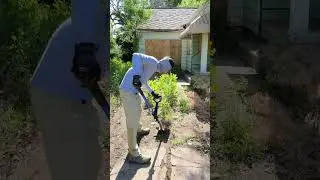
{"points": [[184, 105], [166, 85], [183, 100], [182, 140], [177, 141], [233, 131], [118, 70]]}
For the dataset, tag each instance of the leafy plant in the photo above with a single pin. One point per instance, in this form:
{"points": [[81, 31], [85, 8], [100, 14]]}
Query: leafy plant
{"points": [[26, 26], [118, 69], [184, 104], [166, 85], [234, 131], [127, 15], [191, 3]]}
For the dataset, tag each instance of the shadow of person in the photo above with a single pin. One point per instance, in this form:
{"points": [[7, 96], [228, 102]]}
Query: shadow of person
{"points": [[129, 170]]}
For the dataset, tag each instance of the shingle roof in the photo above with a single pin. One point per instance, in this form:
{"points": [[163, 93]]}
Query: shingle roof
{"points": [[204, 9], [167, 19]]}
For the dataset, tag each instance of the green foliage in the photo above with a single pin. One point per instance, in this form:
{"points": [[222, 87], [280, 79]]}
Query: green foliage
{"points": [[167, 87], [118, 69], [201, 85], [233, 129], [129, 16], [26, 26], [115, 51], [191, 3], [184, 104]]}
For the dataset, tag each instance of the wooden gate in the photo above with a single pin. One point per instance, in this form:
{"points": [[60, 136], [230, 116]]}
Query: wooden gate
{"points": [[161, 48]]}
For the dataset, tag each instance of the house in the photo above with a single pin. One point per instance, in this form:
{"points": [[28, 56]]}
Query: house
{"points": [[295, 21], [159, 36], [181, 33], [197, 31]]}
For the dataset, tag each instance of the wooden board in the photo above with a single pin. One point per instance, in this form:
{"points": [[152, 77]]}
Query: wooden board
{"points": [[161, 48]]}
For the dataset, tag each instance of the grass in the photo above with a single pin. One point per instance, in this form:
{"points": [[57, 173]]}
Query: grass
{"points": [[180, 141], [234, 126]]}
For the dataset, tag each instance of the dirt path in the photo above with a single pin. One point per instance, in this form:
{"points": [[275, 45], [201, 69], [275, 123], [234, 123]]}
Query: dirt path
{"points": [[292, 151], [189, 137]]}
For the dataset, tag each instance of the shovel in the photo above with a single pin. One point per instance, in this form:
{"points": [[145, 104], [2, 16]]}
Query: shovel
{"points": [[154, 111]]}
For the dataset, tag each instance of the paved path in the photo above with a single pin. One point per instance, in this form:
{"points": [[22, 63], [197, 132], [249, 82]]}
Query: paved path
{"points": [[180, 163]]}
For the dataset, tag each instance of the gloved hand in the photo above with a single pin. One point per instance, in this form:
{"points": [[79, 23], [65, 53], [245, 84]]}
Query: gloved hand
{"points": [[155, 95], [136, 81], [85, 66]]}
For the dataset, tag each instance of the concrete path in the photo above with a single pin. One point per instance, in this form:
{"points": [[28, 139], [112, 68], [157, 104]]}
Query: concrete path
{"points": [[189, 164], [156, 170], [181, 163]]}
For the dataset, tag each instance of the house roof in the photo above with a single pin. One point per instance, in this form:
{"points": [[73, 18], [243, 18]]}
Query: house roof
{"points": [[199, 21], [204, 9], [167, 20]]}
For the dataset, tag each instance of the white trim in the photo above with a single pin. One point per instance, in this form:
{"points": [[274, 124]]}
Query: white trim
{"points": [[204, 53], [199, 25]]}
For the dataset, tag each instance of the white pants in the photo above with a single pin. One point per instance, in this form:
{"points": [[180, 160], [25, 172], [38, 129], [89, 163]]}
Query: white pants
{"points": [[132, 108], [70, 133]]}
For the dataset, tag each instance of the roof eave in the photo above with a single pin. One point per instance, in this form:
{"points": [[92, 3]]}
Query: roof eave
{"points": [[195, 27], [159, 30]]}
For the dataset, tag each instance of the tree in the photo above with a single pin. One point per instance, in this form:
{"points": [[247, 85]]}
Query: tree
{"points": [[127, 15], [191, 3]]}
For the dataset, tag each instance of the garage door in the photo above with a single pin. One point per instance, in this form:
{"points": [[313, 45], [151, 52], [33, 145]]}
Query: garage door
{"points": [[161, 48]]}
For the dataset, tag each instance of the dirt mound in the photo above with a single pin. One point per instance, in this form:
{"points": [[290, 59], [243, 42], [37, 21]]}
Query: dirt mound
{"points": [[292, 144]]}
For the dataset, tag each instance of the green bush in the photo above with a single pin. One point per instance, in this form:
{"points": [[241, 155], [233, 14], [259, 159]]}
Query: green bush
{"points": [[184, 104], [166, 85], [201, 85], [26, 26], [118, 69]]}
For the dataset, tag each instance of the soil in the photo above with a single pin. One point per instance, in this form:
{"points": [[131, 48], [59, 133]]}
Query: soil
{"points": [[192, 128], [291, 149]]}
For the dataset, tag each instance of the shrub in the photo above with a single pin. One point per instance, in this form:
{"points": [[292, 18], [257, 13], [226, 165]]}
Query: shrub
{"points": [[118, 69], [184, 104], [201, 84], [26, 26], [166, 85], [233, 129]]}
